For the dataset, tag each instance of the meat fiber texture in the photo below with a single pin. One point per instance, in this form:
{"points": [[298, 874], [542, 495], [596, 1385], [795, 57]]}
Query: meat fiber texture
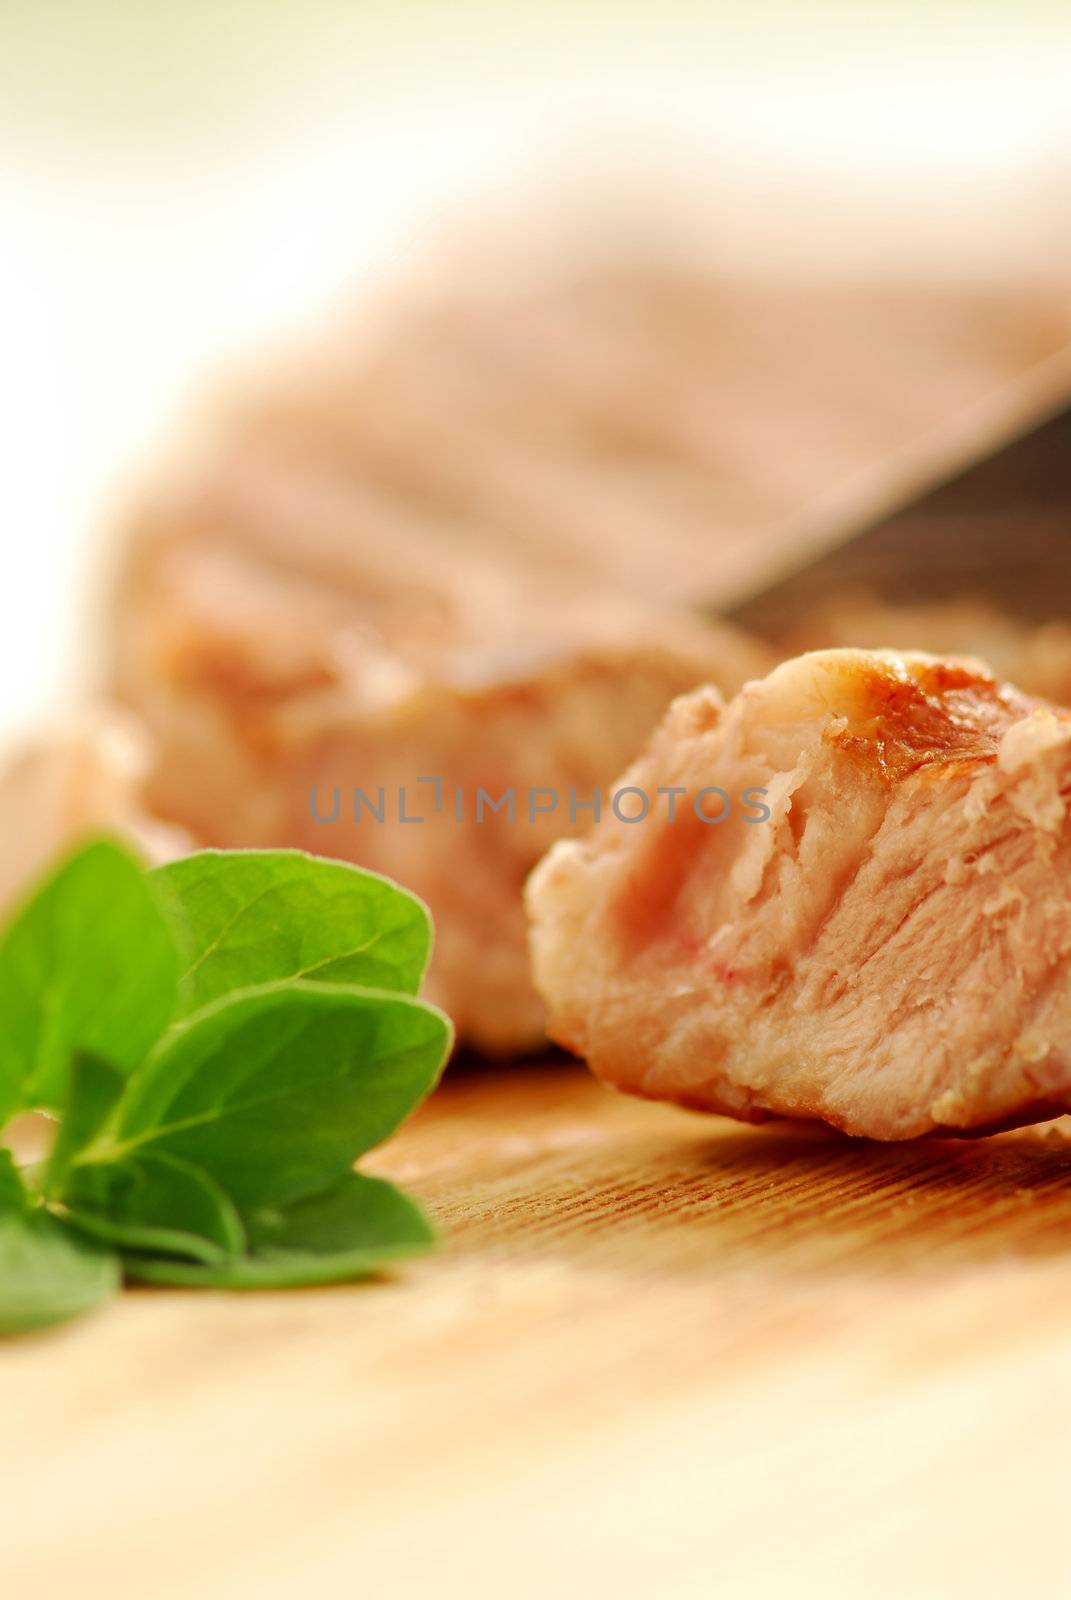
{"points": [[887, 952], [297, 647]]}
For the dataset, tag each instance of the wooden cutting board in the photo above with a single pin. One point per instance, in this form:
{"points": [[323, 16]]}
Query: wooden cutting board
{"points": [[660, 1355]]}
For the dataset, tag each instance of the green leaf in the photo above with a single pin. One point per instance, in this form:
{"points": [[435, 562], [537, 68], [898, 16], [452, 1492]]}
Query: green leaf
{"points": [[47, 1273], [94, 1089], [245, 918], [220, 1150], [347, 1232], [151, 1201], [276, 1092], [88, 964]]}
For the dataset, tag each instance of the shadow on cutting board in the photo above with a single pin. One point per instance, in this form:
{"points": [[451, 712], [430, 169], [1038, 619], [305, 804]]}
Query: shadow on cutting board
{"points": [[540, 1160]]}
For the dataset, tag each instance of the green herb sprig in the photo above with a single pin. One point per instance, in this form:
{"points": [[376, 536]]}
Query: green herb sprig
{"points": [[221, 1040]]}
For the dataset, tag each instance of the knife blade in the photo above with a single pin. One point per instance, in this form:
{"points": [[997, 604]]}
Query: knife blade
{"points": [[998, 529]]}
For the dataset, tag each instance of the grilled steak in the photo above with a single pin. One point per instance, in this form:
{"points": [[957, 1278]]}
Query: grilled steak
{"points": [[287, 649], [886, 951]]}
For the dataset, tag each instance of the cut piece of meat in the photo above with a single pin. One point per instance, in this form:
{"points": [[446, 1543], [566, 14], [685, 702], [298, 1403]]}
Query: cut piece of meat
{"points": [[888, 951], [287, 650], [82, 778]]}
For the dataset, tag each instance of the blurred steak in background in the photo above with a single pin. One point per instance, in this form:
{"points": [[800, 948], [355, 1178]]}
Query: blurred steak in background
{"points": [[627, 412], [286, 649]]}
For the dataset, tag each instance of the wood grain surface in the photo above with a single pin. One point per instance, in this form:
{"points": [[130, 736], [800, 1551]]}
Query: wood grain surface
{"points": [[659, 1355]]}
